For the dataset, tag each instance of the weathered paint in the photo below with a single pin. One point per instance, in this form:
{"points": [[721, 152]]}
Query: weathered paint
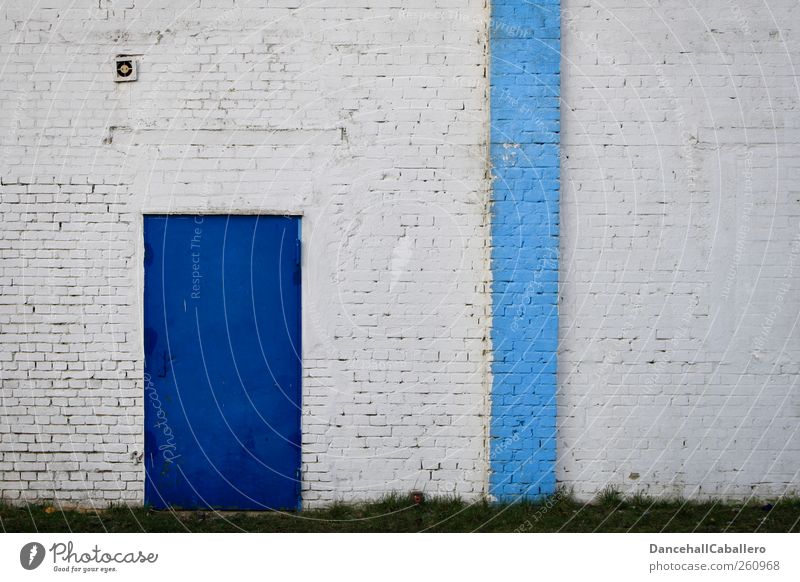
{"points": [[222, 363], [524, 95]]}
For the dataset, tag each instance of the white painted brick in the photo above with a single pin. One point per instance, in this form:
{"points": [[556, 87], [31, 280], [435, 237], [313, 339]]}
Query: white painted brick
{"points": [[680, 154], [383, 150]]}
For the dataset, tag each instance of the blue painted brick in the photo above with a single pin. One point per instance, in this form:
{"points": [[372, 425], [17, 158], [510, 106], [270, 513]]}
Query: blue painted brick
{"points": [[524, 93]]}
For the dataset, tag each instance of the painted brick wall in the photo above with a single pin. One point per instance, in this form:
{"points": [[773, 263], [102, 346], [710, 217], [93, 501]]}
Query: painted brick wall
{"points": [[367, 118], [524, 83], [680, 351]]}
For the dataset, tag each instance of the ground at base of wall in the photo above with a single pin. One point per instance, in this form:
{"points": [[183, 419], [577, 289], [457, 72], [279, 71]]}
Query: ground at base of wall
{"points": [[556, 514]]}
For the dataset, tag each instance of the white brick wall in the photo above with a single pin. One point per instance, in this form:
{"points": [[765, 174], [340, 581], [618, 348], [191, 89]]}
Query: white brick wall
{"points": [[680, 245], [367, 117], [680, 347]]}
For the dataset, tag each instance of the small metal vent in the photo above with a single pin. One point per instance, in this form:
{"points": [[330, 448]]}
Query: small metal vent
{"points": [[124, 68]]}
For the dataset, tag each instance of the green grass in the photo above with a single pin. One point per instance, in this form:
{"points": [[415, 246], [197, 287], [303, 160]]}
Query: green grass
{"points": [[610, 513]]}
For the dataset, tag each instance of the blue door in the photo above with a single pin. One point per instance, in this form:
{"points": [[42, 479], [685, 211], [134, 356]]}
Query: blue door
{"points": [[222, 361]]}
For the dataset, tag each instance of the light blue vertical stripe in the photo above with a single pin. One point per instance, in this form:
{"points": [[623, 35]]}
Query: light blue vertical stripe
{"points": [[524, 91]]}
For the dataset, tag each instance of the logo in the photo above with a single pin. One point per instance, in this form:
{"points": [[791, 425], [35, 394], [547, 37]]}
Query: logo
{"points": [[31, 555]]}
